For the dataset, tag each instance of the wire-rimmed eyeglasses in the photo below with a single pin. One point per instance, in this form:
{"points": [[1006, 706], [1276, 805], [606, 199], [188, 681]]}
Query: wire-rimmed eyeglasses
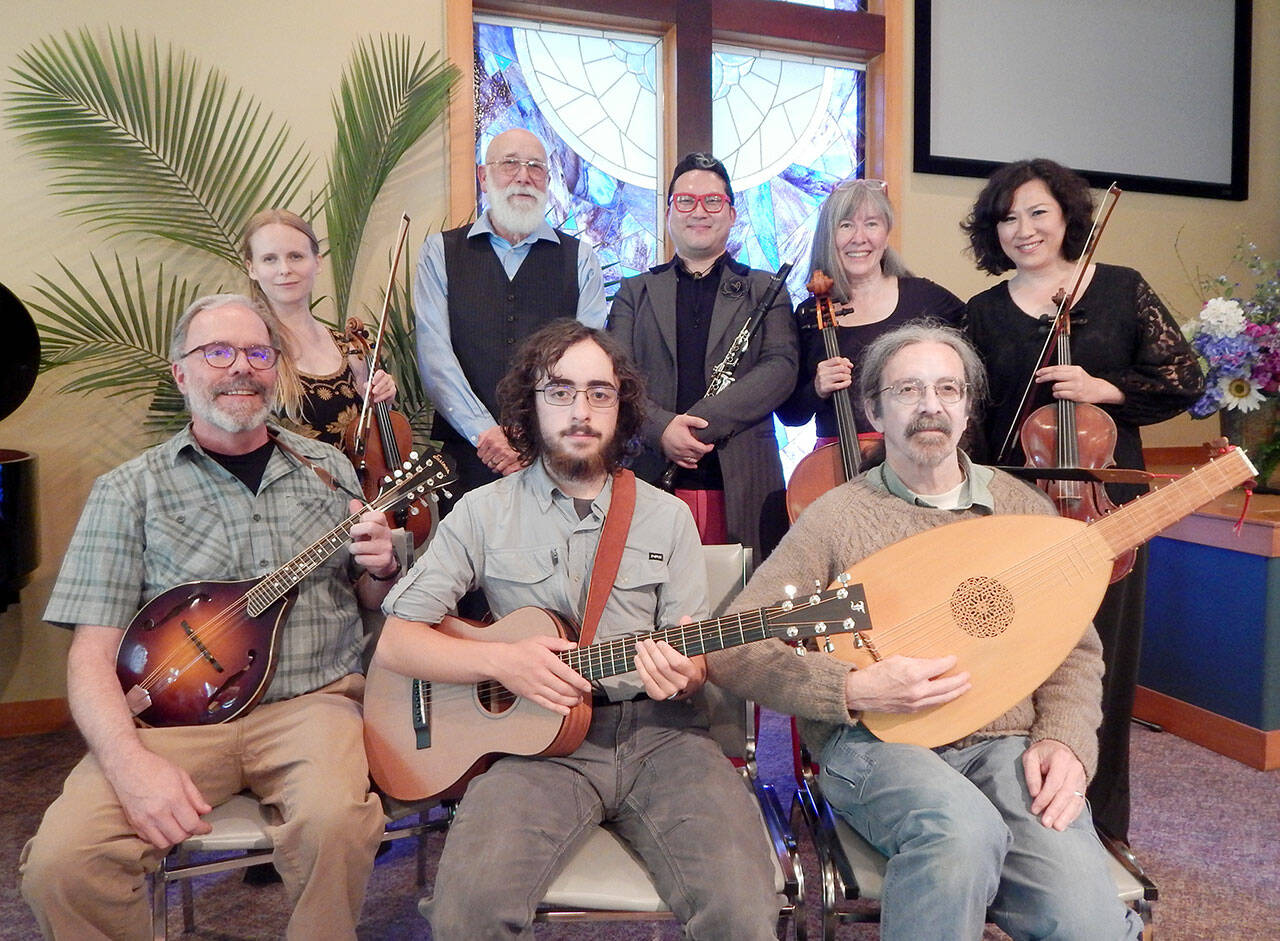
{"points": [[509, 168], [563, 394], [910, 391], [222, 355]]}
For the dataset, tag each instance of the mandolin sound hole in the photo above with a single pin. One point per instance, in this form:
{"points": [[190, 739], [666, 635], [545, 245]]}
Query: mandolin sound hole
{"points": [[982, 606]]}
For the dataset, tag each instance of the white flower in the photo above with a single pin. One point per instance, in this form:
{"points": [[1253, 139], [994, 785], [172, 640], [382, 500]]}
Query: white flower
{"points": [[1222, 318], [1240, 393]]}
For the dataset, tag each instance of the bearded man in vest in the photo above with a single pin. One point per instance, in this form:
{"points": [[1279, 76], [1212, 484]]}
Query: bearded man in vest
{"points": [[481, 289]]}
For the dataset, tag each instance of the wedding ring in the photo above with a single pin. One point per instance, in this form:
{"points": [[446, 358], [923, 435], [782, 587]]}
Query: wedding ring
{"points": [[673, 695]]}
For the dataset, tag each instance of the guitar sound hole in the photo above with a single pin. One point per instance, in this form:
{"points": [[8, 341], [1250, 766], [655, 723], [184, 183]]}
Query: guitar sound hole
{"points": [[496, 699], [982, 607]]}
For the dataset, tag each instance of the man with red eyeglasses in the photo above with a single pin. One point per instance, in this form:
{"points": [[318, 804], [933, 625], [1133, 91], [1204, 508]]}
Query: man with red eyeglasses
{"points": [[678, 320]]}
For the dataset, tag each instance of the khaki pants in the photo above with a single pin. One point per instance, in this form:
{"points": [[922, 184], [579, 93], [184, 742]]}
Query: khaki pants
{"points": [[84, 871]]}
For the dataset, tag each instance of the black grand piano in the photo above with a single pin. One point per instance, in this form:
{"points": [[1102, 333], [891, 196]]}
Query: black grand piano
{"points": [[19, 532]]}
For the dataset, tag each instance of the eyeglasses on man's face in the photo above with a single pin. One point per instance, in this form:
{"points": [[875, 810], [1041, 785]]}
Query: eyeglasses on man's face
{"points": [[687, 202], [222, 355], [911, 391], [508, 168], [563, 394]]}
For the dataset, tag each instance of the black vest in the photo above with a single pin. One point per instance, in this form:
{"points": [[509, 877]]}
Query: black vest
{"points": [[489, 316]]}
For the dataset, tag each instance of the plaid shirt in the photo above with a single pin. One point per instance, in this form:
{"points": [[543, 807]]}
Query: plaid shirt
{"points": [[174, 515]]}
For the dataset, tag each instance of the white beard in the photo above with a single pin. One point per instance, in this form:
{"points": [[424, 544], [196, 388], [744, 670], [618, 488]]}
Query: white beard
{"points": [[204, 403], [519, 221]]}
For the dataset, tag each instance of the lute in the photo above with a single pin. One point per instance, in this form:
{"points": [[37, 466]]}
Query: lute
{"points": [[429, 739], [1010, 596], [201, 653]]}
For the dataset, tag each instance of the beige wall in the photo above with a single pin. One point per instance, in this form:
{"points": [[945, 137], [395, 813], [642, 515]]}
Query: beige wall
{"points": [[291, 61]]}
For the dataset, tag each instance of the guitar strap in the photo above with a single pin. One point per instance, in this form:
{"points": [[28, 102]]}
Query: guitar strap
{"points": [[613, 536], [325, 477]]}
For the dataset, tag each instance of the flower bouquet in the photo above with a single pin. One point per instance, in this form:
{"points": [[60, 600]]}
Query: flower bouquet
{"points": [[1237, 336]]}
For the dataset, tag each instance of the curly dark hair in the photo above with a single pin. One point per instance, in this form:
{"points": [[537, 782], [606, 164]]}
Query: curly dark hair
{"points": [[535, 360], [1068, 188]]}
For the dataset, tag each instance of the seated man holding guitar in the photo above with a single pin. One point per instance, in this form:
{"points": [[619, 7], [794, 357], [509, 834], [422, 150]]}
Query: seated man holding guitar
{"points": [[570, 404], [995, 821], [227, 497]]}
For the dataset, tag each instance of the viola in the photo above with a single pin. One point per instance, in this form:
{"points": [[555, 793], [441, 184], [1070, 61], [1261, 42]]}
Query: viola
{"points": [[832, 464], [377, 442]]}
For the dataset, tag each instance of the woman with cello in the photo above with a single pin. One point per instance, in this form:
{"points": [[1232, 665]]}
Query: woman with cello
{"points": [[872, 293], [282, 256], [1125, 356]]}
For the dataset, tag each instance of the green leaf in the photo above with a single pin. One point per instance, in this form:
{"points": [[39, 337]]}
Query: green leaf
{"points": [[387, 99], [150, 142], [113, 332]]}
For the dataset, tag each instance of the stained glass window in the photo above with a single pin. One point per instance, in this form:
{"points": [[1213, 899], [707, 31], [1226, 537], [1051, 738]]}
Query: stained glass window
{"points": [[592, 98]]}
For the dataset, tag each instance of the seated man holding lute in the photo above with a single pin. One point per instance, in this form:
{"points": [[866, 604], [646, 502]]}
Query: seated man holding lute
{"points": [[996, 821], [228, 497]]}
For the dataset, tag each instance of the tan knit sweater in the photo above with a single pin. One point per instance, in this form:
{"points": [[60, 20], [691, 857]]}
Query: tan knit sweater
{"points": [[843, 527]]}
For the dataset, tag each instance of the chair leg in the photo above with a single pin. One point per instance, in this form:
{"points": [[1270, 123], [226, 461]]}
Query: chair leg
{"points": [[188, 902], [159, 903]]}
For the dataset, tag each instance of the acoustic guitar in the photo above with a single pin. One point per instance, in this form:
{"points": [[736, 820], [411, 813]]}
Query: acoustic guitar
{"points": [[1010, 596], [201, 653], [428, 739]]}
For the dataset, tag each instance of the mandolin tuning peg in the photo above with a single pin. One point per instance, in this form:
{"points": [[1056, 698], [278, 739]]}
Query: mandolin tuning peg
{"points": [[447, 493], [413, 456], [789, 590], [413, 509]]}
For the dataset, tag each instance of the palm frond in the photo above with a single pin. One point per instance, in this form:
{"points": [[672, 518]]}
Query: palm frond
{"points": [[113, 332], [149, 141], [388, 97]]}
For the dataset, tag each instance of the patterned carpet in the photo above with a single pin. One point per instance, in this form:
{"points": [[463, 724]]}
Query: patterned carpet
{"points": [[1206, 828]]}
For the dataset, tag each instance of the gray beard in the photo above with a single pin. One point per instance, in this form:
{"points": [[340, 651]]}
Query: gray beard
{"points": [[519, 222], [204, 406]]}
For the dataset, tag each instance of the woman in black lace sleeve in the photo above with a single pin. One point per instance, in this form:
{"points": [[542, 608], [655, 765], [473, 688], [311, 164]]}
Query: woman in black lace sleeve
{"points": [[282, 256], [873, 294], [1128, 357]]}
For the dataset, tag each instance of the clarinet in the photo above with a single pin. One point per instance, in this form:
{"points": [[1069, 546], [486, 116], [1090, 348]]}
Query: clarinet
{"points": [[722, 374]]}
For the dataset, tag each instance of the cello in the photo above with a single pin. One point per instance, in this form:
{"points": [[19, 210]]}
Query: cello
{"points": [[376, 443], [832, 464], [1069, 434]]}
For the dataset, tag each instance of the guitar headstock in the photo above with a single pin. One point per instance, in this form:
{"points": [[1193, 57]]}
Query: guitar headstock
{"points": [[840, 610], [414, 480]]}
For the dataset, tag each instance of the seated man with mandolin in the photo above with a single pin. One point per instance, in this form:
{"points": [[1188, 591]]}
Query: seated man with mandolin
{"points": [[556, 535], [996, 822], [228, 497]]}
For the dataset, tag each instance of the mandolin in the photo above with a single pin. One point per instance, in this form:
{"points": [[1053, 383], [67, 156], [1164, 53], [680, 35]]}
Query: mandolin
{"points": [[201, 653], [429, 739], [1010, 596]]}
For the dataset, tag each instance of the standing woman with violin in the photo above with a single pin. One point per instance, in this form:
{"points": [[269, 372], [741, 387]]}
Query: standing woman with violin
{"points": [[1127, 356], [873, 293], [282, 256]]}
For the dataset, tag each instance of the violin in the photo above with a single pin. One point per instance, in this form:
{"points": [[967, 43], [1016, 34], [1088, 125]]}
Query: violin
{"points": [[832, 464], [1067, 434], [377, 443]]}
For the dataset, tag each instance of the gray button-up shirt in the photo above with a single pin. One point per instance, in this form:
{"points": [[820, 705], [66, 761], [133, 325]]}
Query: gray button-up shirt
{"points": [[174, 515], [521, 541]]}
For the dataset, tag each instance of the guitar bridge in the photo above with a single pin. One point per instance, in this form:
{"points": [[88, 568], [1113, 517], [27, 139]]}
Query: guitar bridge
{"points": [[421, 708]]}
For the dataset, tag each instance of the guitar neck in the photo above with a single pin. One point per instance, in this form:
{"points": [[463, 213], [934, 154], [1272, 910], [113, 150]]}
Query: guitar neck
{"points": [[1140, 519], [613, 657], [846, 428]]}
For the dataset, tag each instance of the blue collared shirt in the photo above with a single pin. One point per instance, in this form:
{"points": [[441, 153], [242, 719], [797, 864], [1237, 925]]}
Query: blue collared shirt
{"points": [[442, 375]]}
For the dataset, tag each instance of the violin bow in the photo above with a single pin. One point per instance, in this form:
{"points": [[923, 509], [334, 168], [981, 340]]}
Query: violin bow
{"points": [[1061, 318], [362, 426]]}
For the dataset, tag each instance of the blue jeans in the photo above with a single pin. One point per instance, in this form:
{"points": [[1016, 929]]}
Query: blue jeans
{"points": [[956, 826]]}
